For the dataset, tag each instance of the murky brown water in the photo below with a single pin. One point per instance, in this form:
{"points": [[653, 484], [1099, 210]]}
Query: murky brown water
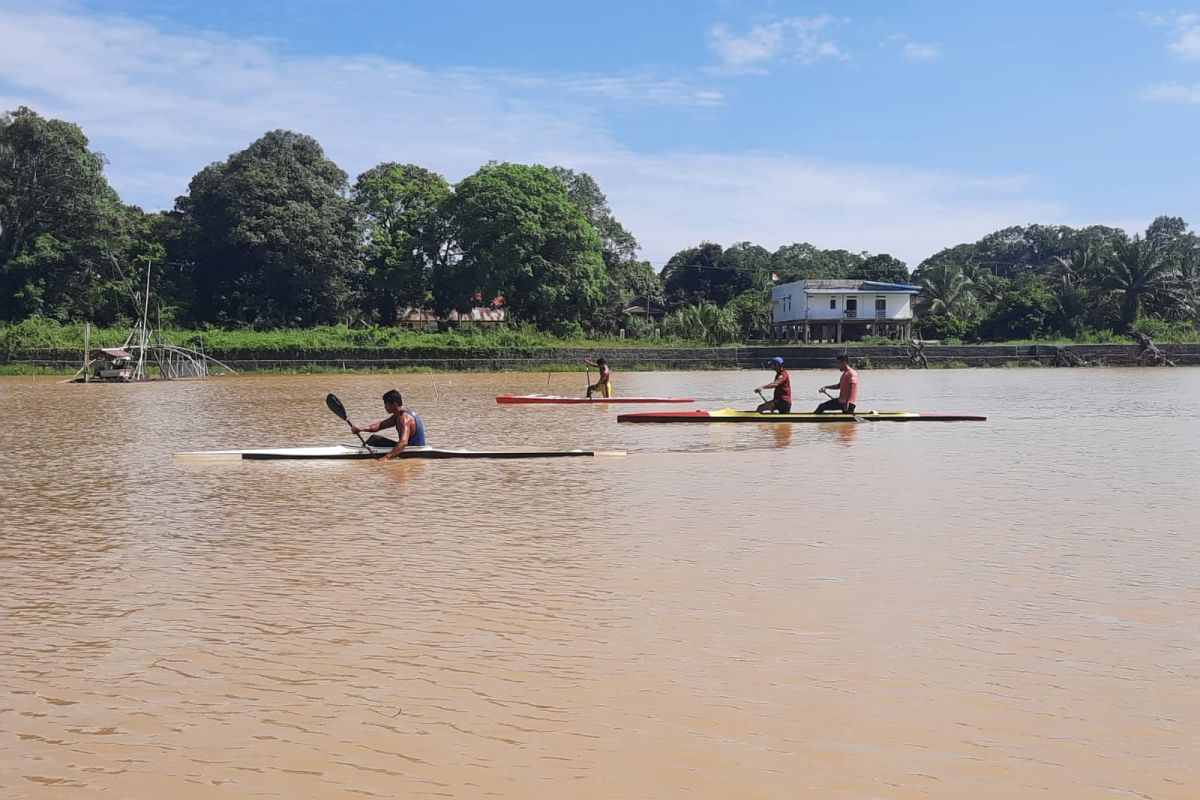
{"points": [[997, 610]]}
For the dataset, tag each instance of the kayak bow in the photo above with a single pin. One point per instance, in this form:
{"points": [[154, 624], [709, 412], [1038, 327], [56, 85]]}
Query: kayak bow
{"points": [[352, 452], [730, 415], [534, 399]]}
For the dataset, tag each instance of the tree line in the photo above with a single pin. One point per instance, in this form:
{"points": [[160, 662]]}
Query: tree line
{"points": [[276, 235]]}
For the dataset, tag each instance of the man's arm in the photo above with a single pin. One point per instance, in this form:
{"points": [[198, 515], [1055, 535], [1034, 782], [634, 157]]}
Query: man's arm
{"points": [[374, 426], [770, 385], [403, 430]]}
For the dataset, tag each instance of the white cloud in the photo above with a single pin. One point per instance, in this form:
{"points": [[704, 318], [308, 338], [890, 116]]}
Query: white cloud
{"points": [[1171, 93], [1185, 33], [796, 39], [920, 52], [162, 104], [913, 51]]}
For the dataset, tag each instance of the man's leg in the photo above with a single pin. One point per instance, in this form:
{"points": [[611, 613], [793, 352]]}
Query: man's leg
{"points": [[828, 405]]}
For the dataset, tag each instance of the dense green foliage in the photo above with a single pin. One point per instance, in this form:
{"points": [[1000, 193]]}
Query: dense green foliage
{"points": [[404, 238], [277, 237], [1040, 282], [517, 236]]}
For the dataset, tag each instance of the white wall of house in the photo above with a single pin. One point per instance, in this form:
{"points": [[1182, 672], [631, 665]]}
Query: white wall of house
{"points": [[791, 303]]}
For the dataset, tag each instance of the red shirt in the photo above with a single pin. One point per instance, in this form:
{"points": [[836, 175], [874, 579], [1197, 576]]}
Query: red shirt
{"points": [[848, 387], [784, 390]]}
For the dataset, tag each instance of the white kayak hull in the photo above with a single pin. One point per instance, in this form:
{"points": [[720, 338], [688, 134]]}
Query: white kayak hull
{"points": [[345, 452]]}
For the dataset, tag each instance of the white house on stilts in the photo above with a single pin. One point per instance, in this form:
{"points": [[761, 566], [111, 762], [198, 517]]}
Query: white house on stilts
{"points": [[841, 310]]}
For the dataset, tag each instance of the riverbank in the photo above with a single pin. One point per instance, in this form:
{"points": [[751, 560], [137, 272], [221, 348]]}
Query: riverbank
{"points": [[628, 358]]}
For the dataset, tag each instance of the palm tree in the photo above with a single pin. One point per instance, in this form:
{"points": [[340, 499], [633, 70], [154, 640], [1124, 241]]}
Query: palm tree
{"points": [[1139, 270], [1067, 280], [946, 290]]}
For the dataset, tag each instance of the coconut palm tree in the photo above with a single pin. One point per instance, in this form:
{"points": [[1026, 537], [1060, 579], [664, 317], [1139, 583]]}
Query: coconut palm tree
{"points": [[945, 289]]}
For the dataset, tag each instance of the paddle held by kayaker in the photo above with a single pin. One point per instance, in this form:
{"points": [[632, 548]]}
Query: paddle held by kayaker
{"points": [[603, 384], [781, 400], [408, 425], [847, 387]]}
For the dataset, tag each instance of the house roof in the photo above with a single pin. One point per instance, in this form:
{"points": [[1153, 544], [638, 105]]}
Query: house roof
{"points": [[844, 285], [866, 290]]}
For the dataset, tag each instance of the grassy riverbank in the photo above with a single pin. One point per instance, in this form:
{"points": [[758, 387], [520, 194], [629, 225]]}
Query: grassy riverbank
{"points": [[42, 334]]}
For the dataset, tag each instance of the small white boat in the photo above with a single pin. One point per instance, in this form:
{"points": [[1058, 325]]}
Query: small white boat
{"points": [[354, 451]]}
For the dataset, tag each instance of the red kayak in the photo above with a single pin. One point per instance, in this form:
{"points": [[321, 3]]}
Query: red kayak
{"points": [[518, 399]]}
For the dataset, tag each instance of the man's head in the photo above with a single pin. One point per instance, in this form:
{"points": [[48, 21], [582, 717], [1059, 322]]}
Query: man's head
{"points": [[776, 363], [392, 398], [843, 363], [600, 361]]}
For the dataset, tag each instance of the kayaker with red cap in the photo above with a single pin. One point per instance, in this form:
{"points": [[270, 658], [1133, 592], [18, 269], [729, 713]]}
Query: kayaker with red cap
{"points": [[781, 401]]}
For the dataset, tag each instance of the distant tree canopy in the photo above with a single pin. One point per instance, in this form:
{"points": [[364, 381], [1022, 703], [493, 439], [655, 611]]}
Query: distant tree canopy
{"points": [[275, 236], [62, 227], [401, 208], [1037, 281], [518, 236]]}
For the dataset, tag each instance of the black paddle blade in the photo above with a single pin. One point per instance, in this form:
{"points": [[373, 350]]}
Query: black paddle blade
{"points": [[336, 406]]}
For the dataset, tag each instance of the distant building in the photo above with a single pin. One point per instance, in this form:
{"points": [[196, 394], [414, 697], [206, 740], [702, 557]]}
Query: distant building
{"points": [[841, 310], [489, 316], [643, 306]]}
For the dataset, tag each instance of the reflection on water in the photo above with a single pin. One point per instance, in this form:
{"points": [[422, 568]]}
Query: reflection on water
{"points": [[849, 610]]}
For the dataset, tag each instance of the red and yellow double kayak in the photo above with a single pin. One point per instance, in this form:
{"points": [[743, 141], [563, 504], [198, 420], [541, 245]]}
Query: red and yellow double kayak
{"points": [[730, 415], [518, 399]]}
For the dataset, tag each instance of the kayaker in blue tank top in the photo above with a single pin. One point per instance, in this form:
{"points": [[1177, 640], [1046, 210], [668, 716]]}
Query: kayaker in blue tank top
{"points": [[409, 428]]}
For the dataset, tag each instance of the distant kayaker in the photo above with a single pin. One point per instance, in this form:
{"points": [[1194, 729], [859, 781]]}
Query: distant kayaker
{"points": [[781, 400], [603, 384], [408, 426], [847, 387]]}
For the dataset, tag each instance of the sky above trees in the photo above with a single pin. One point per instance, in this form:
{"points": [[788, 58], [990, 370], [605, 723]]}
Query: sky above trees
{"points": [[897, 127]]}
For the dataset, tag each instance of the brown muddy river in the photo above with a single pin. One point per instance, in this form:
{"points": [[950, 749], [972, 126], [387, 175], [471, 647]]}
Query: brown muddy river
{"points": [[1008, 609]]}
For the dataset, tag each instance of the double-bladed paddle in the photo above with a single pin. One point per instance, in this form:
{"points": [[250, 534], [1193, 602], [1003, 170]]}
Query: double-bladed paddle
{"points": [[336, 407]]}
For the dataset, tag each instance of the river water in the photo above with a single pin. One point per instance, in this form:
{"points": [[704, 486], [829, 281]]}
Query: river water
{"points": [[1008, 609]]}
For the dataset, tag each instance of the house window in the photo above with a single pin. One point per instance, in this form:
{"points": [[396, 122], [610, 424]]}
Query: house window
{"points": [[833, 302], [881, 304]]}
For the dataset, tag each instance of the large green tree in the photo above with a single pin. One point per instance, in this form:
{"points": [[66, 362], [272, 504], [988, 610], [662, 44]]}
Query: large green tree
{"points": [[709, 273], [273, 235], [518, 235], [400, 209], [881, 267], [803, 261], [626, 276], [61, 224]]}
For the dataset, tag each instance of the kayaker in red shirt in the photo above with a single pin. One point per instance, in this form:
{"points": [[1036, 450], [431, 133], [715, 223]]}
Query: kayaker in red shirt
{"points": [[847, 387], [781, 401]]}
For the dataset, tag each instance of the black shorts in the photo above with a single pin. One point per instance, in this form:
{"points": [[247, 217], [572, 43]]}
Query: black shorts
{"points": [[783, 406]]}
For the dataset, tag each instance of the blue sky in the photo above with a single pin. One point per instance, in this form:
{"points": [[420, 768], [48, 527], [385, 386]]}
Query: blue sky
{"points": [[899, 127]]}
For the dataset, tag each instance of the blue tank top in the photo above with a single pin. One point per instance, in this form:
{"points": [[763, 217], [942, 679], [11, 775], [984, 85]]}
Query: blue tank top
{"points": [[418, 436]]}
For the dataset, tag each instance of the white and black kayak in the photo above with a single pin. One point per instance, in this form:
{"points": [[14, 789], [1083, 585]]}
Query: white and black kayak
{"points": [[353, 451]]}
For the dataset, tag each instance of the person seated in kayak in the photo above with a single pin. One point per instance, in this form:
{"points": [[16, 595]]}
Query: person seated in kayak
{"points": [[847, 387], [408, 427], [781, 400], [603, 384]]}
